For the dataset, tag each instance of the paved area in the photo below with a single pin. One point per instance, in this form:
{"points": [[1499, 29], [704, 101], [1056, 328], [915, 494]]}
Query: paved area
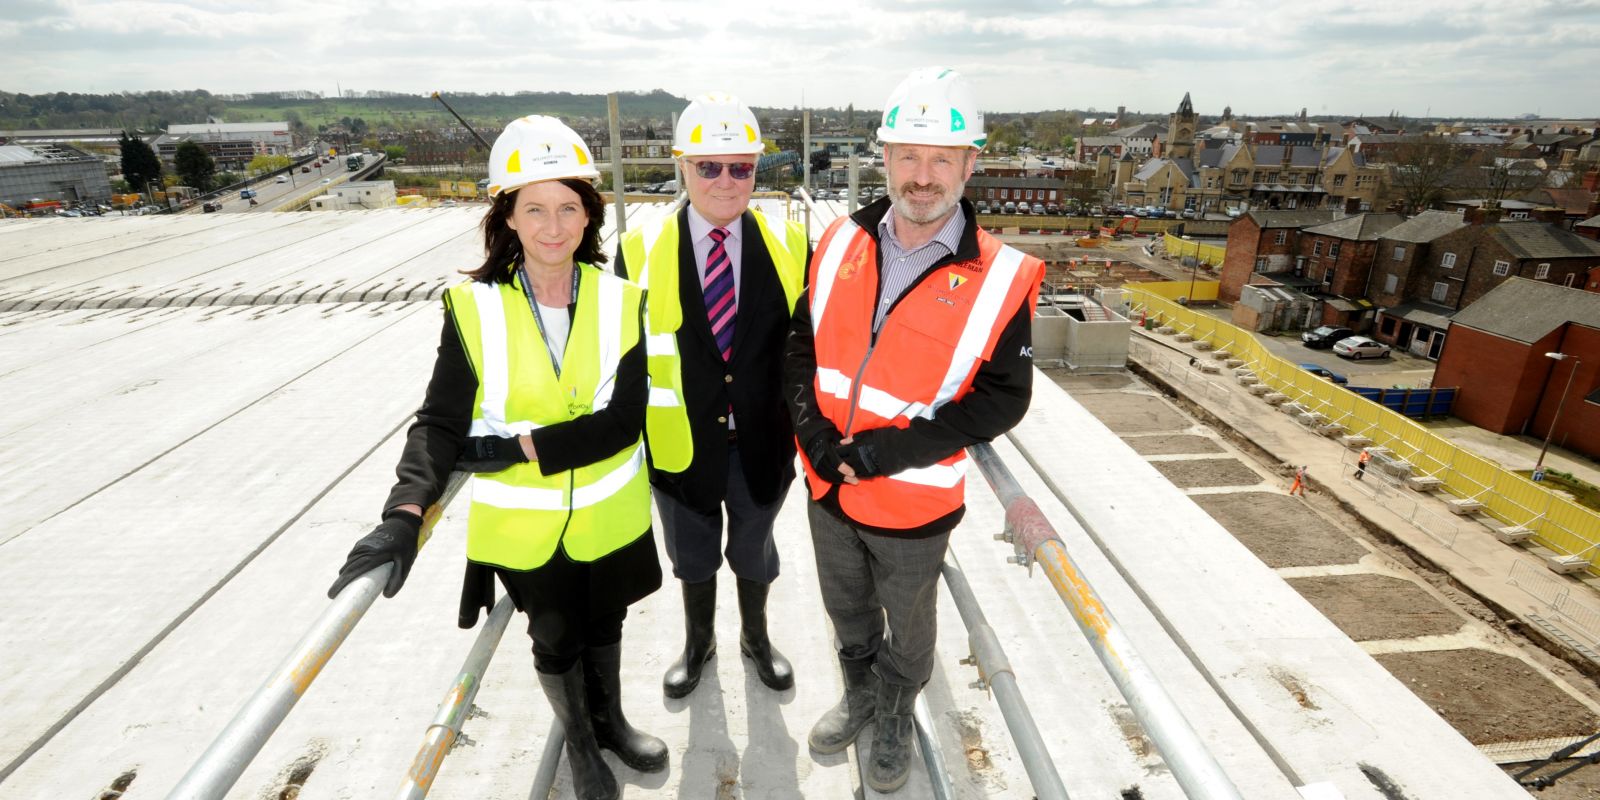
{"points": [[1450, 550]]}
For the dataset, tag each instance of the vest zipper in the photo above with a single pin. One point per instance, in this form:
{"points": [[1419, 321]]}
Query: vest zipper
{"points": [[855, 385]]}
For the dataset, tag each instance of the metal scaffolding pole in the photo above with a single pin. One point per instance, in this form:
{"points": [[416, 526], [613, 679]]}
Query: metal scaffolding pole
{"points": [[225, 760], [616, 164], [1036, 541]]}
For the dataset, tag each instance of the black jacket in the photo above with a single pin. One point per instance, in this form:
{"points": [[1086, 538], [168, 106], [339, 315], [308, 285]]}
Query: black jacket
{"points": [[1000, 394], [751, 383]]}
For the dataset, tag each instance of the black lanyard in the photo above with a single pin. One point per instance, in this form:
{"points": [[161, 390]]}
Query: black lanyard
{"points": [[533, 305]]}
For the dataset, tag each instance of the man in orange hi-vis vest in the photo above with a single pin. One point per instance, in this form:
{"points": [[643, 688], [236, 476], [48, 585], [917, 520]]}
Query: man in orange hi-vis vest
{"points": [[912, 342]]}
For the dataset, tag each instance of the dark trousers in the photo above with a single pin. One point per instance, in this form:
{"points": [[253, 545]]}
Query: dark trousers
{"points": [[694, 540], [562, 617], [874, 584]]}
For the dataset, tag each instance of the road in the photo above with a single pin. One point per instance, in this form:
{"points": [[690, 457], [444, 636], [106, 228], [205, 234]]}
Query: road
{"points": [[271, 194]]}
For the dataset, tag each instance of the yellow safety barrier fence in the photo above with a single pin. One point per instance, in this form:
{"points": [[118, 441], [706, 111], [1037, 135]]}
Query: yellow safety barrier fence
{"points": [[1204, 291], [1208, 254], [1556, 522]]}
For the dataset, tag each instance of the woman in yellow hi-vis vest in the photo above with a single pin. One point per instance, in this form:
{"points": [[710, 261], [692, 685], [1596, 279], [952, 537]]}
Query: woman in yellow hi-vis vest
{"points": [[539, 390]]}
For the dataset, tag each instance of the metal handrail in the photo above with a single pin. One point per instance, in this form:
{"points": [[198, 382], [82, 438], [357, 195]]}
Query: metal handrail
{"points": [[932, 753], [995, 674], [1036, 541], [457, 706], [237, 745]]}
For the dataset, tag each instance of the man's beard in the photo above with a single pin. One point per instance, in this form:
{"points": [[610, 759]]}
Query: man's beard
{"points": [[923, 214]]}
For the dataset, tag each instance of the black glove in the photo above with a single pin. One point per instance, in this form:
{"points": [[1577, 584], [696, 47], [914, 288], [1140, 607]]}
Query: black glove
{"points": [[865, 453], [823, 453], [394, 541], [490, 454]]}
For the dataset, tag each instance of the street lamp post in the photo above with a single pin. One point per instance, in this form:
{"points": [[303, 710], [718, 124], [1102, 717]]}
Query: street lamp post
{"points": [[1559, 404]]}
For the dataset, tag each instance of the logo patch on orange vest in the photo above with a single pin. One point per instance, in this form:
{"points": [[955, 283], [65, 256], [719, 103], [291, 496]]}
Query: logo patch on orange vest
{"points": [[848, 270], [956, 280]]}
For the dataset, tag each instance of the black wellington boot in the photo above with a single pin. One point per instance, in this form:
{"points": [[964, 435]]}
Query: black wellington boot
{"points": [[602, 679], [700, 644], [840, 725], [591, 778], [891, 740], [773, 669]]}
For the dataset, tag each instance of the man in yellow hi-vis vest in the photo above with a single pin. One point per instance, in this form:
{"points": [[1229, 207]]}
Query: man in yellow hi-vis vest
{"points": [[722, 281]]}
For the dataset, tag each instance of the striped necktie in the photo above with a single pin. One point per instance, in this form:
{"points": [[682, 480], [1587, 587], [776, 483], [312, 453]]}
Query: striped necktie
{"points": [[720, 303]]}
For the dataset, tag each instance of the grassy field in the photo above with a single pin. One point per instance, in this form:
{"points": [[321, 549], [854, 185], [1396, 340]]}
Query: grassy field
{"points": [[417, 112]]}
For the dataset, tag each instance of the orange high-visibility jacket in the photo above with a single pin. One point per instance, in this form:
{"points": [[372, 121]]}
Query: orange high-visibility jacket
{"points": [[930, 346]]}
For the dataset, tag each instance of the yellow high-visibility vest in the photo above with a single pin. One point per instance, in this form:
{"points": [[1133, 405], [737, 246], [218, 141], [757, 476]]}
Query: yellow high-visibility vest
{"points": [[651, 254], [519, 516]]}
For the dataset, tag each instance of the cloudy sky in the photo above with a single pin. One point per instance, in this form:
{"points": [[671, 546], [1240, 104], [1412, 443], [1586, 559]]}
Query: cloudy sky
{"points": [[1444, 57]]}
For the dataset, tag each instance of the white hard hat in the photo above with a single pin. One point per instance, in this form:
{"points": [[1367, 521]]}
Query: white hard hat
{"points": [[933, 106], [537, 148], [717, 124]]}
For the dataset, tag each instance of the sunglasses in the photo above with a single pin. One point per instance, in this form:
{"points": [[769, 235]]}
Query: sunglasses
{"points": [[711, 170]]}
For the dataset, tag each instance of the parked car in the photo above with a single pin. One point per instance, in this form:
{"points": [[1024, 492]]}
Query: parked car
{"points": [[1052, 208], [1358, 347], [1323, 372], [209, 206], [983, 206], [1188, 213], [1324, 337], [1009, 208], [246, 194], [305, 169], [1038, 208], [282, 179]]}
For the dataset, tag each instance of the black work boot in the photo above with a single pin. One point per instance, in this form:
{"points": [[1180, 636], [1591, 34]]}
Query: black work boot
{"points": [[602, 679], [773, 669], [700, 643], [840, 725], [891, 740], [591, 778]]}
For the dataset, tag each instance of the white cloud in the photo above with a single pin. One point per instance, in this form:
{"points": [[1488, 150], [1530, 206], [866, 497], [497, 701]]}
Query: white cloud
{"points": [[1461, 57]]}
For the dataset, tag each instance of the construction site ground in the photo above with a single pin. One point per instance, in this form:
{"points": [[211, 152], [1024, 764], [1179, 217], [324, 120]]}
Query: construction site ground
{"points": [[1443, 618]]}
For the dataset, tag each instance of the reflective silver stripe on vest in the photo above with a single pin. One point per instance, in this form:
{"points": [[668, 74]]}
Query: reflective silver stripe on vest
{"points": [[650, 234], [877, 401], [940, 476], [527, 498], [611, 292], [980, 323], [483, 427], [828, 269], [496, 364]]}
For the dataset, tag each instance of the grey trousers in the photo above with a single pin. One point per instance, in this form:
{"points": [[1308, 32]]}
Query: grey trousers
{"points": [[873, 585], [694, 540]]}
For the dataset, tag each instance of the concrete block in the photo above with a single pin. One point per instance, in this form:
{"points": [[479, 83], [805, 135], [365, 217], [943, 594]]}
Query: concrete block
{"points": [[1203, 345], [1515, 534], [1222, 355], [1247, 380], [1424, 483], [1274, 398], [1293, 409], [1566, 565], [1185, 337], [1209, 367], [1233, 362], [1166, 330], [1331, 429], [1260, 389], [1354, 440], [1461, 506]]}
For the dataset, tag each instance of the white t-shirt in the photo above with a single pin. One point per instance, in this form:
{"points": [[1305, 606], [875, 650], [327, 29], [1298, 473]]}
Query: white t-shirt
{"points": [[556, 325]]}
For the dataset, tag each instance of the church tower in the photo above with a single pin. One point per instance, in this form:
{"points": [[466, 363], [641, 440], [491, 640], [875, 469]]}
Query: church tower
{"points": [[1180, 130]]}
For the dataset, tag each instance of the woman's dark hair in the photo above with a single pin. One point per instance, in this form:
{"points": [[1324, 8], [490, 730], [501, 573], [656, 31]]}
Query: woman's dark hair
{"points": [[502, 250]]}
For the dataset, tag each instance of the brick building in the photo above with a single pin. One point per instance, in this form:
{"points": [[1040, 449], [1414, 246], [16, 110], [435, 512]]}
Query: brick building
{"points": [[1262, 247], [1406, 319], [1589, 228], [1465, 264], [1014, 189], [1338, 257], [1496, 356]]}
